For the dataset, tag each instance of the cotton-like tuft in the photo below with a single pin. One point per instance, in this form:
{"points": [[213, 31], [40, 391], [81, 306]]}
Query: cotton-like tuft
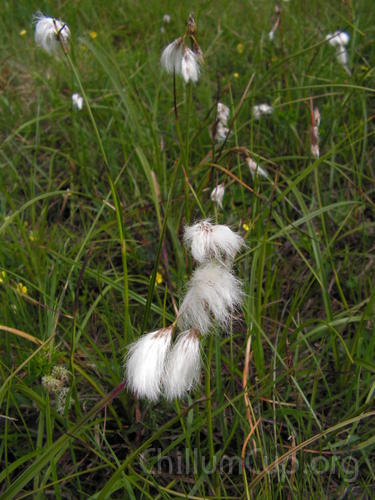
{"points": [[219, 132], [217, 194], [262, 109], [48, 31], [213, 291], [190, 66], [222, 113], [338, 38], [206, 240], [255, 168], [183, 365], [145, 362], [77, 102], [171, 57]]}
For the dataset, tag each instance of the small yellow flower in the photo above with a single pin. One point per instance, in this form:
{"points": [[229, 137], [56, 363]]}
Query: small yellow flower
{"points": [[22, 32], [21, 289], [93, 35], [159, 279], [31, 236], [240, 48], [236, 75], [245, 227]]}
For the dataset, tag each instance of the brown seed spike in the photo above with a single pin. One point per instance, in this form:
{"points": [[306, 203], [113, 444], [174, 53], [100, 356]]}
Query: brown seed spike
{"points": [[191, 26]]}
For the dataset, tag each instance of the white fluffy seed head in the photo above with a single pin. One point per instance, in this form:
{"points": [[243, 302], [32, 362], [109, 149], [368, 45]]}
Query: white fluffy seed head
{"points": [[145, 361], [77, 101], [166, 18], [255, 168], [171, 57], [338, 38], [219, 132], [206, 240], [48, 31], [183, 365], [190, 69], [262, 109], [222, 113], [213, 292], [217, 194]]}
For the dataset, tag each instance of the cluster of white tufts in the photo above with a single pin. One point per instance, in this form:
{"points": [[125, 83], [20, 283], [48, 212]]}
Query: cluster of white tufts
{"points": [[50, 33], [262, 109], [177, 58], [219, 130], [155, 364], [340, 40]]}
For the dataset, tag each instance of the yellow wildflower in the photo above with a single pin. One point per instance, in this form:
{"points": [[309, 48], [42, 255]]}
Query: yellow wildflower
{"points": [[22, 32], [240, 48], [236, 75], [245, 226], [21, 289], [31, 236], [159, 279], [93, 35]]}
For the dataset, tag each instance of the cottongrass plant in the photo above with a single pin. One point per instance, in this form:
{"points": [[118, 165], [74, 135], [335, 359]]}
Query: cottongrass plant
{"points": [[207, 241], [262, 109], [339, 40], [213, 293], [155, 365], [145, 363], [271, 34], [178, 59], [315, 137], [255, 168], [77, 101], [50, 33], [217, 194], [183, 365], [219, 130]]}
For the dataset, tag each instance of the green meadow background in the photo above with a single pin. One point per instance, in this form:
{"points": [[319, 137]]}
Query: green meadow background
{"points": [[86, 198]]}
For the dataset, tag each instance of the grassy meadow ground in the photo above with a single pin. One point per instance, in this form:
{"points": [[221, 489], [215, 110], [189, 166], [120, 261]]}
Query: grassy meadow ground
{"points": [[79, 256]]}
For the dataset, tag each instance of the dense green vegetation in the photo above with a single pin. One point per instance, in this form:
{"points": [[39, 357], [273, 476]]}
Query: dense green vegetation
{"points": [[87, 197]]}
